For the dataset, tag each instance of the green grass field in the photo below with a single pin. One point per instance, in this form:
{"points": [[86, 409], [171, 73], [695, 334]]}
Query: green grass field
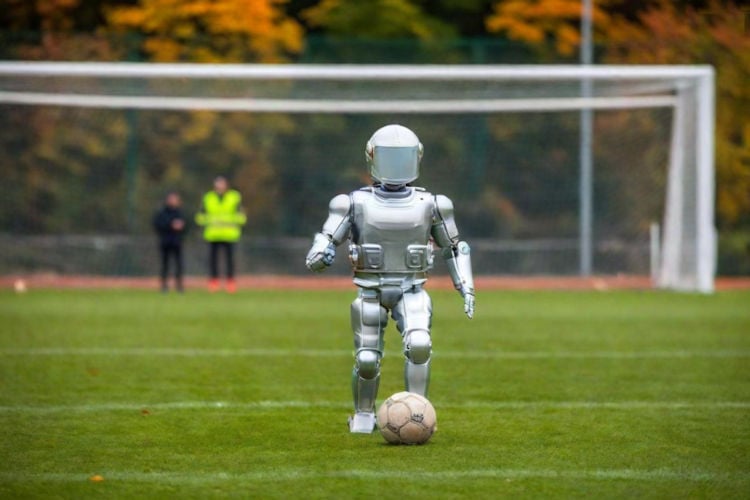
{"points": [[543, 394]]}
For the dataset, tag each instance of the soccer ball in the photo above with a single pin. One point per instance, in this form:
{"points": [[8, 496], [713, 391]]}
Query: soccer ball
{"points": [[407, 418]]}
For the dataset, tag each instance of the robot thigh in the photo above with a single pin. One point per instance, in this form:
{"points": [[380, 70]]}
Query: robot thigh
{"points": [[413, 315], [369, 320]]}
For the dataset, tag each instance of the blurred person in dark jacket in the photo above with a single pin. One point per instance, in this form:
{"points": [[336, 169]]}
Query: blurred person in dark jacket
{"points": [[170, 226]]}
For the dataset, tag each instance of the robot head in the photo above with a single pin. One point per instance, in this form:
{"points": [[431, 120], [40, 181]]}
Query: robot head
{"points": [[393, 154]]}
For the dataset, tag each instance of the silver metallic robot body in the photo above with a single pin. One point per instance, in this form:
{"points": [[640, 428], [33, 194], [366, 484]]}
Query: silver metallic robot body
{"points": [[390, 235], [390, 227]]}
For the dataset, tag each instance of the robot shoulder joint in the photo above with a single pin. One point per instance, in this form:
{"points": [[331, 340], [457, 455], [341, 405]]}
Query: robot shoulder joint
{"points": [[444, 206], [340, 205]]}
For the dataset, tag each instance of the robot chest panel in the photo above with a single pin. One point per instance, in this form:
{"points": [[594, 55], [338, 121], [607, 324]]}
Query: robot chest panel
{"points": [[402, 221]]}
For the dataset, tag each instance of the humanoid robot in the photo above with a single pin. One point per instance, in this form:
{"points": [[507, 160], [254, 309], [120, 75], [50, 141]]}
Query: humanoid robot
{"points": [[390, 227]]}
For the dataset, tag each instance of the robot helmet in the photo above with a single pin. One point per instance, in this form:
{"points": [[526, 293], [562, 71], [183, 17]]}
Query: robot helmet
{"points": [[393, 154]]}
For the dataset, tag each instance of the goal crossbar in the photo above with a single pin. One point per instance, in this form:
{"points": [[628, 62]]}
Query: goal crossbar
{"points": [[351, 71], [339, 106]]}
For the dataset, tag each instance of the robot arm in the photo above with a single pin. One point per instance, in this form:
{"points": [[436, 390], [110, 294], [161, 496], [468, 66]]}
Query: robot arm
{"points": [[457, 254], [459, 266], [334, 232]]}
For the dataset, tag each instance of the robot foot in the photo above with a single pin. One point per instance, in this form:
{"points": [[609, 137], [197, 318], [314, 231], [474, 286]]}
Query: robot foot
{"points": [[362, 423]]}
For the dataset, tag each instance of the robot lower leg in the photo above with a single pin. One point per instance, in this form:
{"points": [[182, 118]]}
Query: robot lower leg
{"points": [[369, 319]]}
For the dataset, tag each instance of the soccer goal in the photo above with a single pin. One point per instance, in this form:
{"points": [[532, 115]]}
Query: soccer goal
{"points": [[501, 140]]}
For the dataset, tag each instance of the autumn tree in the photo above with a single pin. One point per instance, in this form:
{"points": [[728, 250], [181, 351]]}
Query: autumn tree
{"points": [[213, 31], [46, 162], [210, 31], [662, 32], [717, 35], [89, 169], [538, 22]]}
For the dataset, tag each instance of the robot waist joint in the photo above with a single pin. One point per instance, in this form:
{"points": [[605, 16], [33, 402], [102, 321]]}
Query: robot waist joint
{"points": [[373, 257]]}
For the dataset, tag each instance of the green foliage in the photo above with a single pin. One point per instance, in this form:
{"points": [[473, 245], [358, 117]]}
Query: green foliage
{"points": [[543, 394], [58, 175], [734, 252], [377, 19]]}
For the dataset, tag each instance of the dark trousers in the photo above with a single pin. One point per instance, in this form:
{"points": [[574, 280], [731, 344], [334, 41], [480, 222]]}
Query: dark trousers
{"points": [[171, 251], [227, 248]]}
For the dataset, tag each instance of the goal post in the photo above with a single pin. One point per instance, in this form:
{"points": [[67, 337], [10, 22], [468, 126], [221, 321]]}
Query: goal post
{"points": [[688, 243]]}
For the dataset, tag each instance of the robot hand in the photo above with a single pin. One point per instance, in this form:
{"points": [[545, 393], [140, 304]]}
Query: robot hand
{"points": [[321, 254], [469, 302]]}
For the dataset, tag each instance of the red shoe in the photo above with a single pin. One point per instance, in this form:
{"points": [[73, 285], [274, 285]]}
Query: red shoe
{"points": [[231, 286], [213, 285]]}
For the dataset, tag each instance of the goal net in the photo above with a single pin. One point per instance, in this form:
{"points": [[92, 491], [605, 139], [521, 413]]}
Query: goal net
{"points": [[89, 149]]}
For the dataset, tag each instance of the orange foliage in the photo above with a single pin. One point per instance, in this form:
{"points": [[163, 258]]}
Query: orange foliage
{"points": [[535, 21], [718, 36], [211, 30]]}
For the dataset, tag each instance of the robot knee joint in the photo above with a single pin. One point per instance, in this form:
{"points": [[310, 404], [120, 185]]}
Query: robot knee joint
{"points": [[368, 364], [418, 346]]}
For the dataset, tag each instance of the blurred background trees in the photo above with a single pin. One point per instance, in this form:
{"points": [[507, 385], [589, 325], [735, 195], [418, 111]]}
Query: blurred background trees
{"points": [[96, 176]]}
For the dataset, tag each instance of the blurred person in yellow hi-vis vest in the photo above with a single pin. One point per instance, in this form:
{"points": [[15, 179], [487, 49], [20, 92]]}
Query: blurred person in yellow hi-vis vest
{"points": [[222, 217]]}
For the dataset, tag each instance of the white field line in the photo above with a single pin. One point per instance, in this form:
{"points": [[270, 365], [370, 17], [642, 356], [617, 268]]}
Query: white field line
{"points": [[273, 405], [333, 353], [295, 474]]}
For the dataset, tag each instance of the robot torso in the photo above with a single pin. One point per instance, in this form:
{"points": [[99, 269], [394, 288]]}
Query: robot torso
{"points": [[390, 236]]}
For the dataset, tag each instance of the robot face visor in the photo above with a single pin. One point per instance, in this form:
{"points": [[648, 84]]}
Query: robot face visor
{"points": [[395, 165]]}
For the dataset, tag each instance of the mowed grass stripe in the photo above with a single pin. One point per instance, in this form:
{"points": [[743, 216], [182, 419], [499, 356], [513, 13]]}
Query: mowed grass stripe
{"points": [[272, 405], [335, 353], [281, 474]]}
